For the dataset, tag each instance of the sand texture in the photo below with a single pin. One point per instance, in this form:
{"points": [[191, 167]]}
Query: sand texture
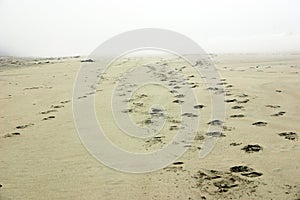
{"points": [[257, 154]]}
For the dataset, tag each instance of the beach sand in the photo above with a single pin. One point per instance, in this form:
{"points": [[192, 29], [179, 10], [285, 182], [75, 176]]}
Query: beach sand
{"points": [[257, 155]]}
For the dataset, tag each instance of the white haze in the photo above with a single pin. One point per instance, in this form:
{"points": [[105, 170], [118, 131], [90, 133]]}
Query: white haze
{"points": [[61, 28]]}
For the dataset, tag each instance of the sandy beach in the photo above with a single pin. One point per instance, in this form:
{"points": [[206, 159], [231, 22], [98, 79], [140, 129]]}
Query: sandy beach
{"points": [[257, 154]]}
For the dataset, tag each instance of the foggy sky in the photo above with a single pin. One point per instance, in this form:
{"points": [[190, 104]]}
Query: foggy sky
{"points": [[61, 28]]}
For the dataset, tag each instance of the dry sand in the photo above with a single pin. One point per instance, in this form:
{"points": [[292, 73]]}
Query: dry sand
{"points": [[256, 157]]}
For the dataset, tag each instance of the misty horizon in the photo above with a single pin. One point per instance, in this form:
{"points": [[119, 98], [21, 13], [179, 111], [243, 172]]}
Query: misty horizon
{"points": [[64, 28]]}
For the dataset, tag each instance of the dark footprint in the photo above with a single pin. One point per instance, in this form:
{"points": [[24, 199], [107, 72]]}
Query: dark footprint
{"points": [[215, 122], [250, 148], [157, 112], [50, 117], [48, 111], [235, 144], [215, 134], [82, 97], [148, 121], [260, 123], [178, 101], [230, 100], [213, 88], [178, 163], [241, 169], [11, 134], [289, 135], [189, 115], [172, 128], [138, 104], [237, 107], [53, 106], [87, 60], [252, 174], [224, 186], [272, 106], [237, 116], [244, 101], [199, 106], [243, 95], [278, 114], [63, 102], [24, 126]]}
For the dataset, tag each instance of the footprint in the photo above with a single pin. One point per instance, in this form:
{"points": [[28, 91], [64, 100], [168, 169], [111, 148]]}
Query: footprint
{"points": [[140, 104], [213, 88], [230, 100], [278, 114], [178, 163], [128, 110], [252, 174], [50, 117], [237, 107], [224, 186], [245, 171], [243, 95], [82, 97], [199, 106], [235, 144], [241, 168], [33, 88], [251, 148], [289, 135], [215, 122], [173, 91], [174, 127], [24, 126], [259, 123], [48, 111], [11, 134], [157, 112], [216, 182], [63, 102], [237, 116], [272, 106], [189, 115], [215, 134], [87, 60], [178, 101], [58, 106], [244, 101]]}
